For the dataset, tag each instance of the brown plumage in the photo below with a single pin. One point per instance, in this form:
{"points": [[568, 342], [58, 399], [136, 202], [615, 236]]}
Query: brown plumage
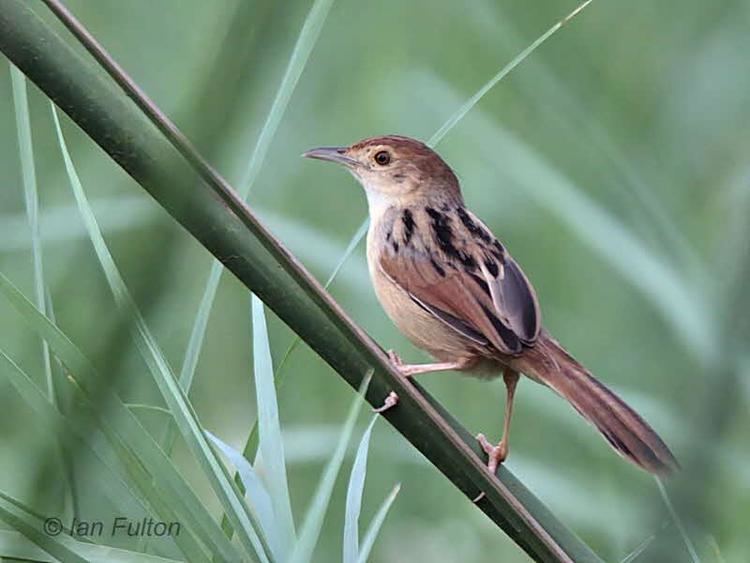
{"points": [[452, 288]]}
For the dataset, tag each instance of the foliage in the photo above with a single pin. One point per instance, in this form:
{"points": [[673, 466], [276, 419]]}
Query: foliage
{"points": [[612, 162]]}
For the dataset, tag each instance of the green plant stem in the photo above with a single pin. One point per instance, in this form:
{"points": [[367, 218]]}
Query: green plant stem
{"points": [[251, 445], [215, 216]]}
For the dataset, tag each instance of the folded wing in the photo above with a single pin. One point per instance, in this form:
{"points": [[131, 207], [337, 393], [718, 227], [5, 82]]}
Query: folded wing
{"points": [[469, 282]]}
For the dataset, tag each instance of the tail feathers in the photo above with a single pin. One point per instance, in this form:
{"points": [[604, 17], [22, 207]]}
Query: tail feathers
{"points": [[621, 426]]}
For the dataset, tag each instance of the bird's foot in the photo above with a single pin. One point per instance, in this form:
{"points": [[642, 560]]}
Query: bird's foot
{"points": [[495, 454], [395, 358], [391, 400], [398, 363]]}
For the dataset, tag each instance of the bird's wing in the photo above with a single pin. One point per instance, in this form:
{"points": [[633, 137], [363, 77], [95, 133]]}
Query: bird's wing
{"points": [[462, 275]]}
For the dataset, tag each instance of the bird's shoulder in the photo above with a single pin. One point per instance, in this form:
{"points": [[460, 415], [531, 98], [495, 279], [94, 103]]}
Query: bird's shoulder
{"points": [[449, 234]]}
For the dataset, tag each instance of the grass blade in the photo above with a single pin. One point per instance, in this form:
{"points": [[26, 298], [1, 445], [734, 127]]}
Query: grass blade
{"points": [[354, 497], [119, 214], [30, 527], [15, 546], [518, 59], [41, 296], [251, 444], [28, 172], [135, 447], [131, 466], [305, 42], [195, 342], [310, 532], [716, 550], [252, 440], [68, 460], [16, 543], [198, 333], [539, 85], [300, 54], [77, 432], [350, 247], [677, 522], [308, 36], [239, 513], [640, 548], [256, 492], [377, 523], [271, 447]]}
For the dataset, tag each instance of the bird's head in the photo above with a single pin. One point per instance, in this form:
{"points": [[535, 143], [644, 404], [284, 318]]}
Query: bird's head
{"points": [[394, 170]]}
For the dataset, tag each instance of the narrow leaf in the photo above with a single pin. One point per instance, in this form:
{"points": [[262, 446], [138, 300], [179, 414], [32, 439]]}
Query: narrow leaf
{"points": [[310, 532], [640, 548], [377, 523], [28, 173], [15, 545], [195, 343], [677, 522], [354, 497], [271, 446], [239, 513], [135, 447], [252, 440], [305, 42], [30, 527], [518, 59], [256, 492], [109, 482]]}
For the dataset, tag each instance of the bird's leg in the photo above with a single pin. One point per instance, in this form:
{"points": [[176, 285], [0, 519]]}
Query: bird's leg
{"points": [[407, 370], [497, 454]]}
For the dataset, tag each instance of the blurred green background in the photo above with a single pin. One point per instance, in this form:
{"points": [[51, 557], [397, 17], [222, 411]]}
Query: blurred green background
{"points": [[613, 163]]}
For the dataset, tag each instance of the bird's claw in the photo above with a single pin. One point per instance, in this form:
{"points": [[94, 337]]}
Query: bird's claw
{"points": [[391, 400], [395, 358], [495, 454], [405, 370]]}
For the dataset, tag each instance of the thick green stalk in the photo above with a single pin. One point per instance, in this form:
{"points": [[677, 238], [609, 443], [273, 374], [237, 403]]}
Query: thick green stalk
{"points": [[208, 208]]}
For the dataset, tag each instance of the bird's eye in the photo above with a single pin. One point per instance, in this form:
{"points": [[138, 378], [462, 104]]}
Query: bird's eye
{"points": [[382, 158]]}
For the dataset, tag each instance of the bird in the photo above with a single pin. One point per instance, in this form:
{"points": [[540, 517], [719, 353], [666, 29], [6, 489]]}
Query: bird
{"points": [[451, 287]]}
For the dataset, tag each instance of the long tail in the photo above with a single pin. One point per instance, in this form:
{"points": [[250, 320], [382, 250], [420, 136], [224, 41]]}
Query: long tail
{"points": [[630, 435]]}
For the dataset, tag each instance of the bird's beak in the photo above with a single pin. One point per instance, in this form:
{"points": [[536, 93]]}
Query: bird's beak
{"points": [[332, 154]]}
